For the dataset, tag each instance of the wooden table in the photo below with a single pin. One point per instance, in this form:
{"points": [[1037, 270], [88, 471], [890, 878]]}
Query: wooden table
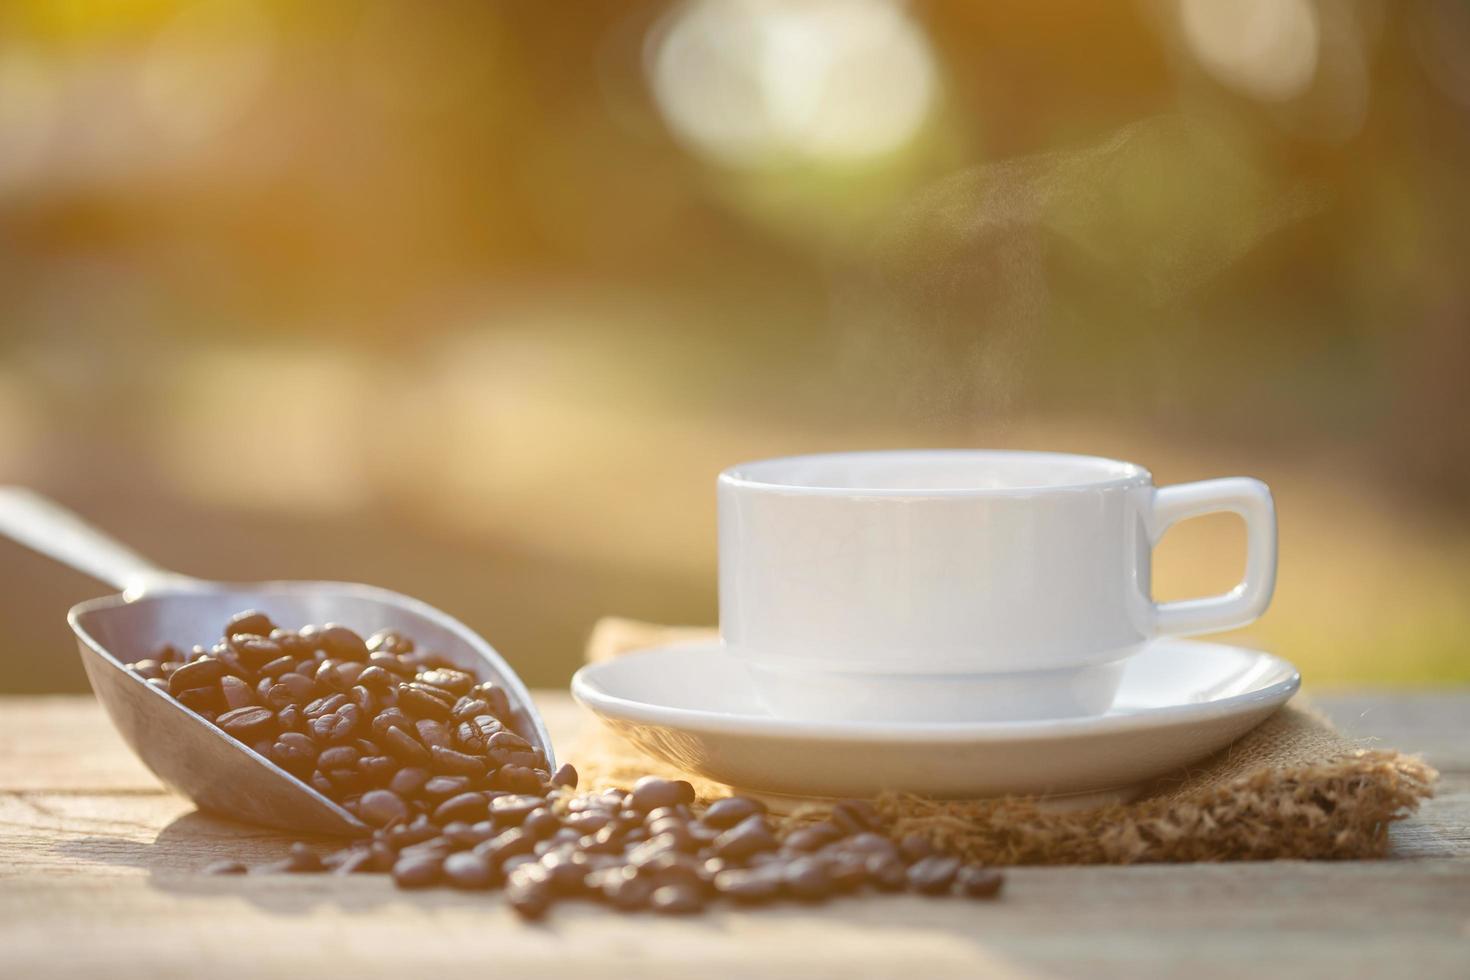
{"points": [[99, 875]]}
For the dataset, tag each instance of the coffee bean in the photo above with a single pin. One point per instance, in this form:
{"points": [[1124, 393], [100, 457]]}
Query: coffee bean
{"points": [[378, 768], [887, 873], [978, 881], [469, 871], [324, 705], [676, 900], [749, 836], [456, 682], [508, 741], [455, 763], [495, 696], [517, 759], [648, 851], [149, 669], [365, 700], [474, 734], [251, 621], [566, 870], [376, 679], [626, 892], [463, 834], [847, 871], [336, 727], [391, 718], [588, 822], [539, 823], [667, 816], [339, 757], [404, 747], [389, 642], [202, 673], [233, 666], [291, 719], [281, 665], [807, 879], [417, 871], [933, 874], [423, 701], [294, 753], [440, 788], [433, 732], [608, 840], [807, 839], [465, 806], [565, 776], [249, 723], [237, 693], [324, 672], [563, 836], [438, 846], [346, 780], [380, 807], [915, 848], [511, 810], [529, 899], [408, 781], [506, 844], [345, 675], [355, 861], [672, 868], [341, 643], [675, 833], [867, 843], [391, 665], [417, 832], [291, 642], [469, 706], [726, 813], [750, 885], [516, 779], [255, 651], [651, 792], [303, 860]]}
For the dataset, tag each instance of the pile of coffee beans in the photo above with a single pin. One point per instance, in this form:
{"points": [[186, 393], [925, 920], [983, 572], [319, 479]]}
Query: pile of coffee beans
{"points": [[387, 731], [430, 758]]}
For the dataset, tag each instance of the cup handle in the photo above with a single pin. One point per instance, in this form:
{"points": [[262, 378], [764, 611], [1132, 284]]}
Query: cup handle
{"points": [[1249, 498]]}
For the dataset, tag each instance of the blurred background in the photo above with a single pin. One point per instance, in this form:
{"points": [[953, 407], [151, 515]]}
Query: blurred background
{"points": [[474, 300]]}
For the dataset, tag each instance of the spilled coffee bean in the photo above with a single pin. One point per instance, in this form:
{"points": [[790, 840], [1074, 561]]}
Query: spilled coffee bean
{"points": [[432, 760]]}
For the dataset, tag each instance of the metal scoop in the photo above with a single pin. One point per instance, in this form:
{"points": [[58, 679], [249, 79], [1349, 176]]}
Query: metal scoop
{"points": [[156, 607]]}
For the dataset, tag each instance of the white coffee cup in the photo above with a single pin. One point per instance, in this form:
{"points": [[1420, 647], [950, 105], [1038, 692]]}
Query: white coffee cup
{"points": [[961, 585]]}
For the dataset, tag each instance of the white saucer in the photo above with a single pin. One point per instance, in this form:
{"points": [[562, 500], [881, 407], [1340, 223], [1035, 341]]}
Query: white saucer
{"points": [[1180, 700]]}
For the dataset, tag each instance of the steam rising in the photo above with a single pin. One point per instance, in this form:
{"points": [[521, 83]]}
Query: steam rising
{"points": [[959, 293]]}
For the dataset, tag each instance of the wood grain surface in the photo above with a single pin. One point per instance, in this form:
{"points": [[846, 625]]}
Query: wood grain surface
{"points": [[99, 874]]}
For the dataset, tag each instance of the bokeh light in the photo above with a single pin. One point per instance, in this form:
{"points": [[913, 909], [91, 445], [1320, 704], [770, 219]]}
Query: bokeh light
{"points": [[753, 83], [27, 113], [1264, 48], [205, 68]]}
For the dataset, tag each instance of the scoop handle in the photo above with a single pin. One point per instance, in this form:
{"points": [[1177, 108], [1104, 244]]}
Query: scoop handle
{"points": [[56, 532]]}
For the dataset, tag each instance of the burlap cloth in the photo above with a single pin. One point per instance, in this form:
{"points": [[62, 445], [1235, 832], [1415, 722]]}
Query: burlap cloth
{"points": [[1294, 787]]}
